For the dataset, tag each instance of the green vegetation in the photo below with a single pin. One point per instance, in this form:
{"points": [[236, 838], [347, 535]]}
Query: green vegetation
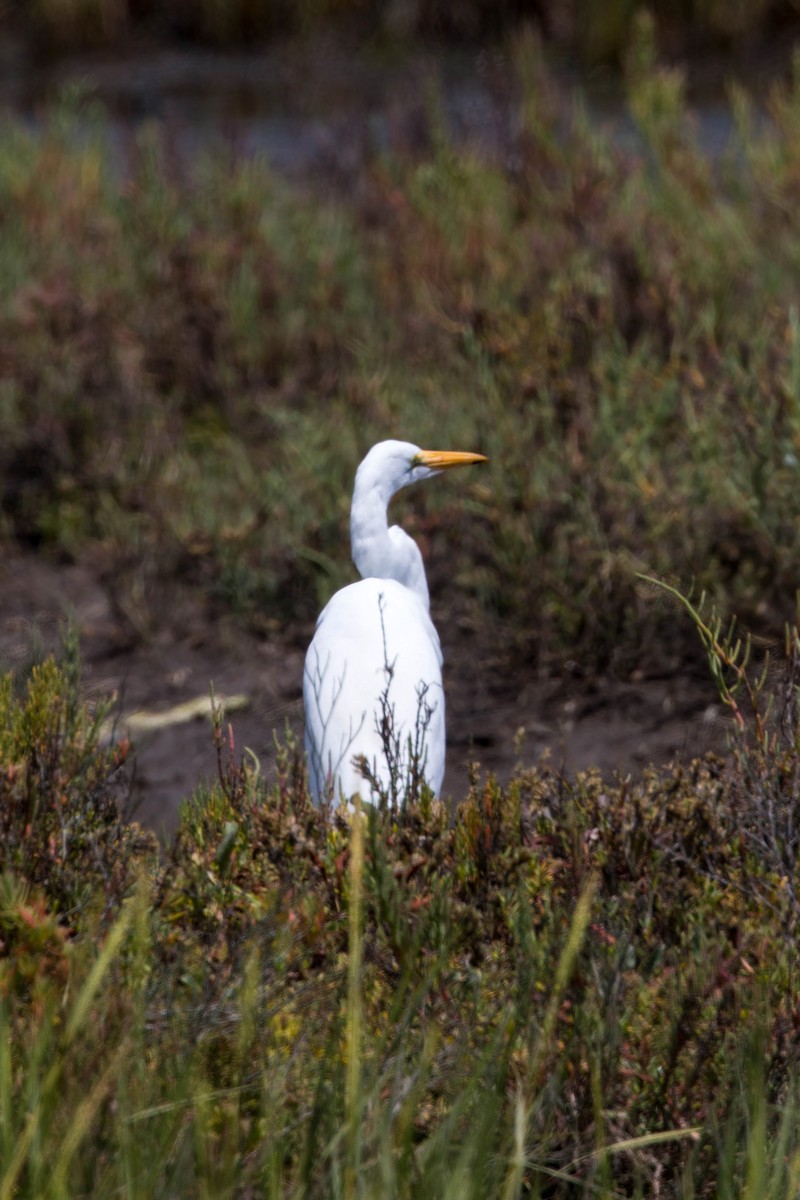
{"points": [[568, 989], [196, 355]]}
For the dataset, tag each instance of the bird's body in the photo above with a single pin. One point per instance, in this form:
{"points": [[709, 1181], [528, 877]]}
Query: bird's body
{"points": [[372, 684], [359, 655]]}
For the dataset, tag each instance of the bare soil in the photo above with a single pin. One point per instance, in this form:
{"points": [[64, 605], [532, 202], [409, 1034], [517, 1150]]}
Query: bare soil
{"points": [[499, 722]]}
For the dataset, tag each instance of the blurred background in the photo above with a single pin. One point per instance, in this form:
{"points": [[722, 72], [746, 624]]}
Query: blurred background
{"points": [[241, 240], [590, 31]]}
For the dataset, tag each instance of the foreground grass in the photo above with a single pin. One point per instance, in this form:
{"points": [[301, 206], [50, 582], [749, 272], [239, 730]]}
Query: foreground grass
{"points": [[570, 988], [195, 357]]}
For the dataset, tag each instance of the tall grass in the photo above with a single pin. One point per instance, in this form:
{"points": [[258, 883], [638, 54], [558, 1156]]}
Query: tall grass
{"points": [[573, 988]]}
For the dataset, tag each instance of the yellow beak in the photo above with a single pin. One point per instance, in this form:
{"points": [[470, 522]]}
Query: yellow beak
{"points": [[440, 460]]}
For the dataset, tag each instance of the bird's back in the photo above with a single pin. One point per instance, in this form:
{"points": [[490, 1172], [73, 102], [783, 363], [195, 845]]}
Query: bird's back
{"points": [[375, 654]]}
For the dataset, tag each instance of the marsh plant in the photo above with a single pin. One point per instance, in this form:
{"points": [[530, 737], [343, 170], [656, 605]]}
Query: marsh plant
{"points": [[560, 987], [565, 987], [764, 742], [196, 355]]}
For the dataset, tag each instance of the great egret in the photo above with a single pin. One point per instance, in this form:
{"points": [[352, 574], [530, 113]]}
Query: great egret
{"points": [[372, 684]]}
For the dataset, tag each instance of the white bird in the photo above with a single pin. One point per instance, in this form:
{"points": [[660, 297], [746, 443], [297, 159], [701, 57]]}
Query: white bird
{"points": [[372, 684]]}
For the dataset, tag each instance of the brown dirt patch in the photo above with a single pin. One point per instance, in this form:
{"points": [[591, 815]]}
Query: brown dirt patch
{"points": [[499, 722]]}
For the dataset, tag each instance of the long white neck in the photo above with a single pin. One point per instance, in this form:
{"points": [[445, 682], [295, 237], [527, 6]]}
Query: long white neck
{"points": [[378, 551]]}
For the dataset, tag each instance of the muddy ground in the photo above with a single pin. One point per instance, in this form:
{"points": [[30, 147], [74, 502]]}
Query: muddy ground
{"points": [[501, 723]]}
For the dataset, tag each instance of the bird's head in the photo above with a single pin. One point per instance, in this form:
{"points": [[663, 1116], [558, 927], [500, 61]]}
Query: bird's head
{"points": [[390, 466]]}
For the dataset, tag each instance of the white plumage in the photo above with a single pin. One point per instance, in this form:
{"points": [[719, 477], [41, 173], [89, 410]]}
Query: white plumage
{"points": [[373, 680]]}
